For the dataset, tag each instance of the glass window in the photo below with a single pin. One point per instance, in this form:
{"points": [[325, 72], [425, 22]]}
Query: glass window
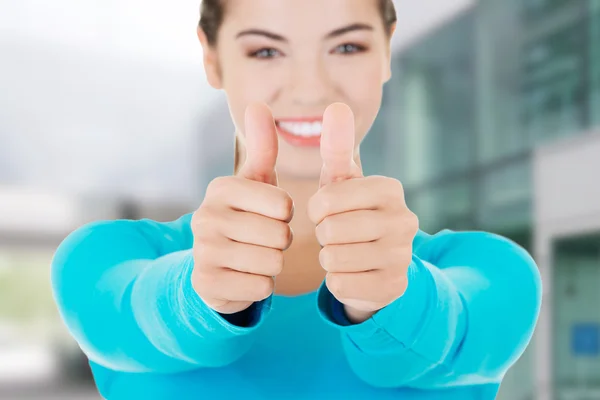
{"points": [[553, 82], [505, 195], [533, 10], [498, 73], [594, 44], [372, 149], [445, 206], [519, 381], [435, 97], [577, 318], [531, 81]]}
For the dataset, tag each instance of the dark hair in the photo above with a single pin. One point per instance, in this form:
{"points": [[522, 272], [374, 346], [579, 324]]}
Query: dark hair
{"points": [[213, 11]]}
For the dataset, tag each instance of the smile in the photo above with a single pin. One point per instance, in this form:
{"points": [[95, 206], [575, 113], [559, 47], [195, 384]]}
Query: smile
{"points": [[304, 129], [305, 132]]}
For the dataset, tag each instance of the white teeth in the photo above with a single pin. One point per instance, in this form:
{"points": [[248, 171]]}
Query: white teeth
{"points": [[305, 129]]}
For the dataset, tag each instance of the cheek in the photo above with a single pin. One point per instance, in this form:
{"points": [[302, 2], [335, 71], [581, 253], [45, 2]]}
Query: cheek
{"points": [[245, 84]]}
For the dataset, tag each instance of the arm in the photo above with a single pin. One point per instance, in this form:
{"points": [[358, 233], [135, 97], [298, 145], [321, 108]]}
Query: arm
{"points": [[468, 314], [123, 288]]}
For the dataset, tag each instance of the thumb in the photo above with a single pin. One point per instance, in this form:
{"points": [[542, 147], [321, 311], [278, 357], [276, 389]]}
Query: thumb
{"points": [[261, 144], [337, 145]]}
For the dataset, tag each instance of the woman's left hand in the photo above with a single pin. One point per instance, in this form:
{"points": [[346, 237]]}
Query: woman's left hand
{"points": [[363, 224]]}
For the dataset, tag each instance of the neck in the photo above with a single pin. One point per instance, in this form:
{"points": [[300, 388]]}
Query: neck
{"points": [[301, 190], [302, 271]]}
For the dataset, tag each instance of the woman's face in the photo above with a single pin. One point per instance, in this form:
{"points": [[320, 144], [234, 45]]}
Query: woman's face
{"points": [[300, 56]]}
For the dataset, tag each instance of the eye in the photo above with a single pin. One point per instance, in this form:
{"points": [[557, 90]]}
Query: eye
{"points": [[265, 53], [349, 48]]}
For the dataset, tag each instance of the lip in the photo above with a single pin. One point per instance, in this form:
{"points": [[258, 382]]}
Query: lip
{"points": [[295, 140]]}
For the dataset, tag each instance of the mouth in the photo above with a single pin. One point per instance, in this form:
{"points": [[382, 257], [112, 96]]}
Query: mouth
{"points": [[302, 132]]}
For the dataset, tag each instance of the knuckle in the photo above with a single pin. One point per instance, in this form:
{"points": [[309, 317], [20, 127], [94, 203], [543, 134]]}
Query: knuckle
{"points": [[393, 184], [393, 188], [314, 209], [202, 254], [264, 287], [199, 217], [398, 185], [285, 207], [394, 286], [217, 186], [283, 235], [203, 221], [404, 256], [327, 203], [320, 205], [325, 231], [414, 222], [327, 258], [276, 262], [203, 281], [335, 285]]}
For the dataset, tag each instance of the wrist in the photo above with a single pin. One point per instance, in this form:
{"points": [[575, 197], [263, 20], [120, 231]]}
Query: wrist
{"points": [[356, 316]]}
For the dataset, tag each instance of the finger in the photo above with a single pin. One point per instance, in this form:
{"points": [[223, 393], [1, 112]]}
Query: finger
{"points": [[244, 227], [337, 145], [250, 259], [228, 307], [356, 194], [378, 287], [261, 145], [239, 286], [251, 196], [352, 227], [358, 257]]}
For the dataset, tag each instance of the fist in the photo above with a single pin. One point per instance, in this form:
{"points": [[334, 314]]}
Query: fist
{"points": [[242, 227], [363, 224]]}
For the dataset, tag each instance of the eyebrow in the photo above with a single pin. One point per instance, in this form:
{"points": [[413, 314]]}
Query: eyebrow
{"points": [[349, 28], [330, 35]]}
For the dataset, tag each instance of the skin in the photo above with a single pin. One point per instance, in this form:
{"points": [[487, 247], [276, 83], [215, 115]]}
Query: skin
{"points": [[305, 202]]}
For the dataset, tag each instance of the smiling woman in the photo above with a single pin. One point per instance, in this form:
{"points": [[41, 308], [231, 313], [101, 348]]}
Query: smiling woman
{"points": [[299, 71], [297, 277]]}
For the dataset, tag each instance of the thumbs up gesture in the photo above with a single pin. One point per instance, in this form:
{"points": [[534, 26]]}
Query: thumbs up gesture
{"points": [[242, 227], [363, 224]]}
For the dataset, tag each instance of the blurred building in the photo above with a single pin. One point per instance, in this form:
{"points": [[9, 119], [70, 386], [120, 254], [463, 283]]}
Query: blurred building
{"points": [[492, 122], [38, 357]]}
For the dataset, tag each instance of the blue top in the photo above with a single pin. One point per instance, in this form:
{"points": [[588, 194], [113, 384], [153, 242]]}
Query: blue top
{"points": [[124, 291]]}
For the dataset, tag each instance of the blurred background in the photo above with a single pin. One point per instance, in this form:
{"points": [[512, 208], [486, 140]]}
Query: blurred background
{"points": [[491, 121]]}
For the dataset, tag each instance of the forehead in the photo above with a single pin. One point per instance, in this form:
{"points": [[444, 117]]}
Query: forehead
{"points": [[316, 16]]}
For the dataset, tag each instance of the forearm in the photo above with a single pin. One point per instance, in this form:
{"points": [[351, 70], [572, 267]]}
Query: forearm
{"points": [[463, 320], [394, 347], [131, 309]]}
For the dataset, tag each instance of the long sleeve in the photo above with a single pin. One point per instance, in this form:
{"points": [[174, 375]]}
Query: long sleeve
{"points": [[469, 312], [123, 289]]}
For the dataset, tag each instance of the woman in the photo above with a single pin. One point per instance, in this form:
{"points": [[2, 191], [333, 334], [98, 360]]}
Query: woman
{"points": [[356, 304]]}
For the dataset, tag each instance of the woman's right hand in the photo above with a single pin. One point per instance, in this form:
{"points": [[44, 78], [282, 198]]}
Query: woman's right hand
{"points": [[242, 227]]}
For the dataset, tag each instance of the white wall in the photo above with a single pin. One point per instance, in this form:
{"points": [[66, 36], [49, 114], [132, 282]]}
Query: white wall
{"points": [[567, 189]]}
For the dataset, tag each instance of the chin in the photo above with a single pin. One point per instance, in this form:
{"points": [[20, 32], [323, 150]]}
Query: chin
{"points": [[299, 162], [299, 172]]}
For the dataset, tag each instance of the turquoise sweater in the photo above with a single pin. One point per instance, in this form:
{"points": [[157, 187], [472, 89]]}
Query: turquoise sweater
{"points": [[123, 289]]}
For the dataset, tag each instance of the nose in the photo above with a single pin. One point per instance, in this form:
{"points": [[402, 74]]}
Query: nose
{"points": [[310, 83]]}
